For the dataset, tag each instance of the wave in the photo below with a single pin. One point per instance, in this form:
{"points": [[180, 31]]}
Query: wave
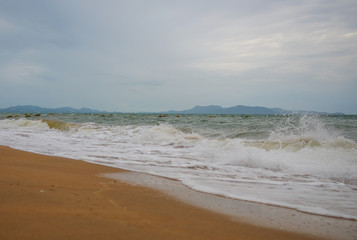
{"points": [[22, 123], [166, 134], [43, 124], [59, 125], [308, 152], [307, 131], [301, 153], [298, 145]]}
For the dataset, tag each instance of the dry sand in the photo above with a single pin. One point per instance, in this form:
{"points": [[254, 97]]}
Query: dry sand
{"points": [[43, 197]]}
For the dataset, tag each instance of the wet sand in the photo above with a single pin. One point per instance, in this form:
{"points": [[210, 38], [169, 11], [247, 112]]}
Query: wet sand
{"points": [[258, 214], [44, 197]]}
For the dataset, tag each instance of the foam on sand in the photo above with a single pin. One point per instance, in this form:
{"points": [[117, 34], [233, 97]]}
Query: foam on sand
{"points": [[254, 213]]}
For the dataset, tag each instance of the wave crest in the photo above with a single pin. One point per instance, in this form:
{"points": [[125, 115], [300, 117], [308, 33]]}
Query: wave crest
{"points": [[59, 125], [307, 131], [300, 143]]}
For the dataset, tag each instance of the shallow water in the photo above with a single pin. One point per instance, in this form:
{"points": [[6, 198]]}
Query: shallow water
{"points": [[304, 162]]}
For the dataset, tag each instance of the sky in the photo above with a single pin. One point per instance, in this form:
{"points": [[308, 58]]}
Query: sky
{"points": [[134, 56]]}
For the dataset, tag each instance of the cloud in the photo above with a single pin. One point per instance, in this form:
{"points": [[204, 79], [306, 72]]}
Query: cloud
{"points": [[128, 55], [21, 73], [6, 26], [289, 38]]}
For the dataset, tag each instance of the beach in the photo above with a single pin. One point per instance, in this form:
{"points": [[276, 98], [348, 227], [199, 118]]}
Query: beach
{"points": [[45, 197]]}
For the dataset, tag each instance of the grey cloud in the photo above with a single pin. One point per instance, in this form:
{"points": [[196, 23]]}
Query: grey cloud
{"points": [[154, 55]]}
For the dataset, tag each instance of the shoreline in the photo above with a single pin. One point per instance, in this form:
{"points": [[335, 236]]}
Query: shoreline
{"points": [[45, 197], [258, 214]]}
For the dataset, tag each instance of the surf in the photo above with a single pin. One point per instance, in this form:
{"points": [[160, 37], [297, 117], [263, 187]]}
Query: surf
{"points": [[269, 159]]}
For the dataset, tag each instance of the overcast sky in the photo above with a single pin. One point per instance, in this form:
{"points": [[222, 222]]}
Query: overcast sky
{"points": [[135, 56]]}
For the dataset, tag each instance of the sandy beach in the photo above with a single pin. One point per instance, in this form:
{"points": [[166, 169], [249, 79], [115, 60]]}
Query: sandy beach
{"points": [[44, 197]]}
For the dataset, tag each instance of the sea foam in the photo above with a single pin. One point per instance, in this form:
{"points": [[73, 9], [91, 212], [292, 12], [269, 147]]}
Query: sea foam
{"points": [[301, 162]]}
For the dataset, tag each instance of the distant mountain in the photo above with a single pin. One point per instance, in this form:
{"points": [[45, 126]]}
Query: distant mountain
{"points": [[36, 109], [212, 109], [240, 109]]}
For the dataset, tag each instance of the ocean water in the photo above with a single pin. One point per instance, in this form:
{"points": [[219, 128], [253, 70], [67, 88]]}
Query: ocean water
{"points": [[304, 162]]}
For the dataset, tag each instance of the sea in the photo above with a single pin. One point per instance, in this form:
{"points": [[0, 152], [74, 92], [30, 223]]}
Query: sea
{"points": [[303, 162]]}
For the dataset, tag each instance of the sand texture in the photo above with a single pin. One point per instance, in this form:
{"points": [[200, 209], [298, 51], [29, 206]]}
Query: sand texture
{"points": [[43, 197]]}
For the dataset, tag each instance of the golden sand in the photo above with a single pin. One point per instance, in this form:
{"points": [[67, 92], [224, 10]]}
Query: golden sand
{"points": [[43, 197]]}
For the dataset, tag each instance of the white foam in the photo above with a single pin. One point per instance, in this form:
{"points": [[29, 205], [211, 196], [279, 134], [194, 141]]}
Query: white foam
{"points": [[257, 214], [319, 178]]}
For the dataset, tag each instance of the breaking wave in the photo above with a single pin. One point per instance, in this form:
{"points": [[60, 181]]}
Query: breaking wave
{"points": [[301, 154], [59, 125]]}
